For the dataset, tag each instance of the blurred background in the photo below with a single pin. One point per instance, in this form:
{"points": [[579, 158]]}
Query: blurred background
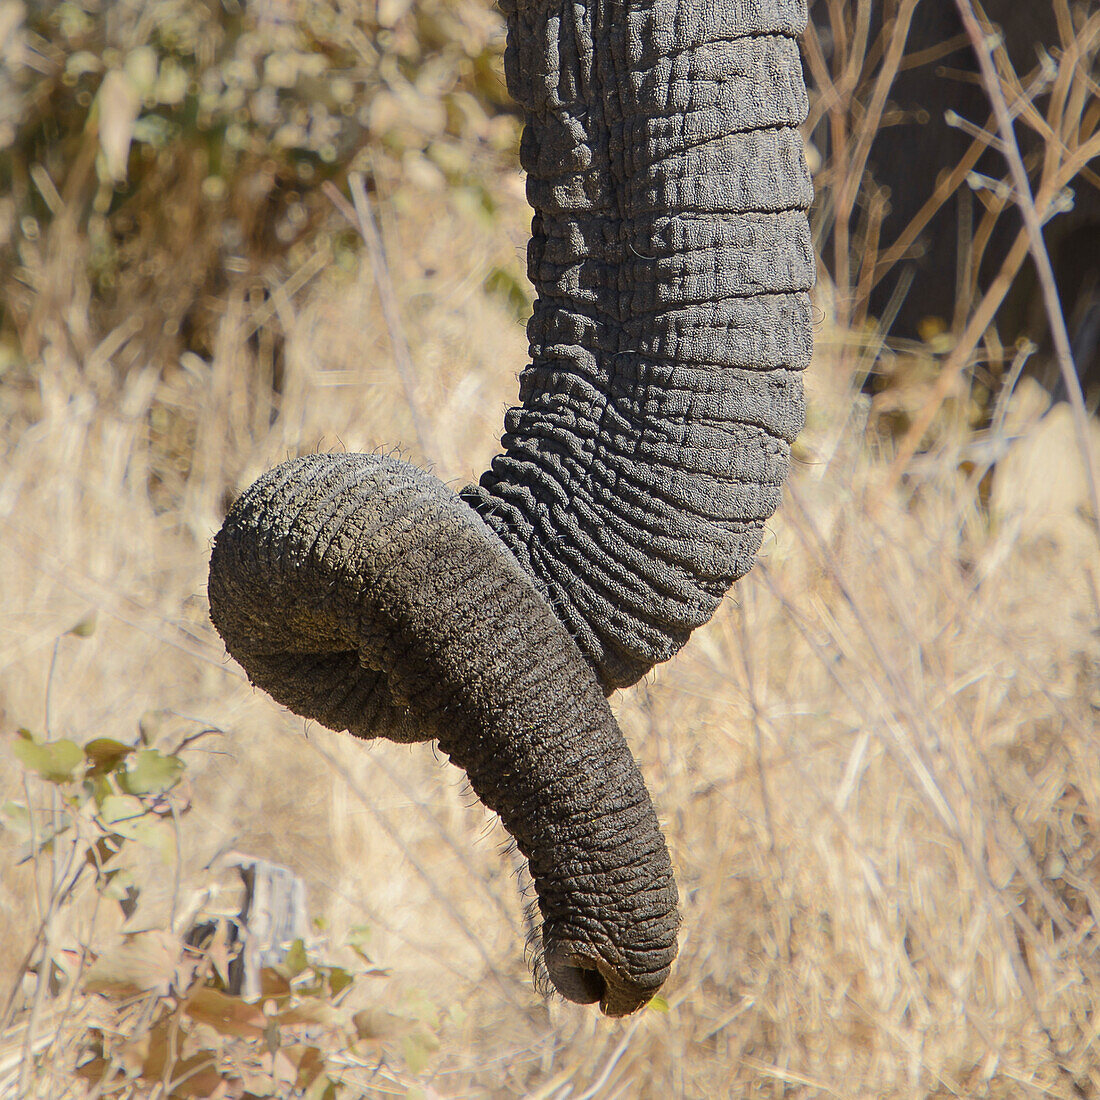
{"points": [[877, 767]]}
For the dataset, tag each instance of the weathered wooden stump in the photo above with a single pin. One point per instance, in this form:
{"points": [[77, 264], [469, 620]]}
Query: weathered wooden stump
{"points": [[273, 915]]}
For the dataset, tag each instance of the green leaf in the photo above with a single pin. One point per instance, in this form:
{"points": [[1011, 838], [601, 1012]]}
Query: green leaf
{"points": [[54, 761], [85, 626], [424, 1011], [295, 962], [338, 980], [121, 809], [150, 831], [105, 754], [128, 819], [418, 1049], [150, 772], [99, 787], [17, 817], [658, 1004]]}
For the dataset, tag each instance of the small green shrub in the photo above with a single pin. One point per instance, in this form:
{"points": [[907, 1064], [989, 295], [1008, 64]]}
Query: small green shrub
{"points": [[165, 1021]]}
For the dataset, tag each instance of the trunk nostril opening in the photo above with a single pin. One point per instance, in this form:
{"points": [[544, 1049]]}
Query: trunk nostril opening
{"points": [[576, 978]]}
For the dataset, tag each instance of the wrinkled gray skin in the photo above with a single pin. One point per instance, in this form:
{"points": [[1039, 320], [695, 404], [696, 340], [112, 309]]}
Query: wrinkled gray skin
{"points": [[672, 258]]}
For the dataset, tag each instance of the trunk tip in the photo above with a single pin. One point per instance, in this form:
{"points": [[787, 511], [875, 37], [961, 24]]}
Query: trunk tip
{"points": [[585, 979]]}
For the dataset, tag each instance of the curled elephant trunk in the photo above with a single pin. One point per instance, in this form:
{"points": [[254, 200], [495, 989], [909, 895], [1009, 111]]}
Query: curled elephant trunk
{"points": [[363, 593], [672, 257]]}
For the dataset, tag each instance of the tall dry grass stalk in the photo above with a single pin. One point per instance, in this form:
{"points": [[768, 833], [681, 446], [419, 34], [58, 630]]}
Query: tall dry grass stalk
{"points": [[876, 768], [1050, 110]]}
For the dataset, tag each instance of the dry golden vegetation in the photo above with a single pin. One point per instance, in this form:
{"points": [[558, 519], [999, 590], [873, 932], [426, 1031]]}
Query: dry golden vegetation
{"points": [[877, 768]]}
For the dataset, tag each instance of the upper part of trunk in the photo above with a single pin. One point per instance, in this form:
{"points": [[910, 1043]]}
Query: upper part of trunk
{"points": [[672, 258]]}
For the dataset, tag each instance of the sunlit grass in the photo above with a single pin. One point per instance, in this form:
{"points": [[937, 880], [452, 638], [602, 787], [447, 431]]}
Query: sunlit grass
{"points": [[876, 768]]}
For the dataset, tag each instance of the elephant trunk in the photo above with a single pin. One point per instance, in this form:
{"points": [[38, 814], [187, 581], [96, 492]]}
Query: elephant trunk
{"points": [[672, 258], [362, 592]]}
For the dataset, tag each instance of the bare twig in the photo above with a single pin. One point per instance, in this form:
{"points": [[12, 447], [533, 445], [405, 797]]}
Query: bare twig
{"points": [[440, 894], [849, 185], [1067, 163], [953, 366], [362, 217], [1032, 224]]}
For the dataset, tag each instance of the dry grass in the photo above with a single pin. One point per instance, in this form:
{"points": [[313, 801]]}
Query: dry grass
{"points": [[876, 768]]}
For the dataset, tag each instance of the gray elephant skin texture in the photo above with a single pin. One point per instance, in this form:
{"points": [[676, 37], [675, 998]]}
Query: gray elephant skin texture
{"points": [[671, 256]]}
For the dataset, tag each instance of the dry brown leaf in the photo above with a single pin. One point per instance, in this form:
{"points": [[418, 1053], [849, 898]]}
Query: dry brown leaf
{"points": [[226, 1015], [199, 1076]]}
